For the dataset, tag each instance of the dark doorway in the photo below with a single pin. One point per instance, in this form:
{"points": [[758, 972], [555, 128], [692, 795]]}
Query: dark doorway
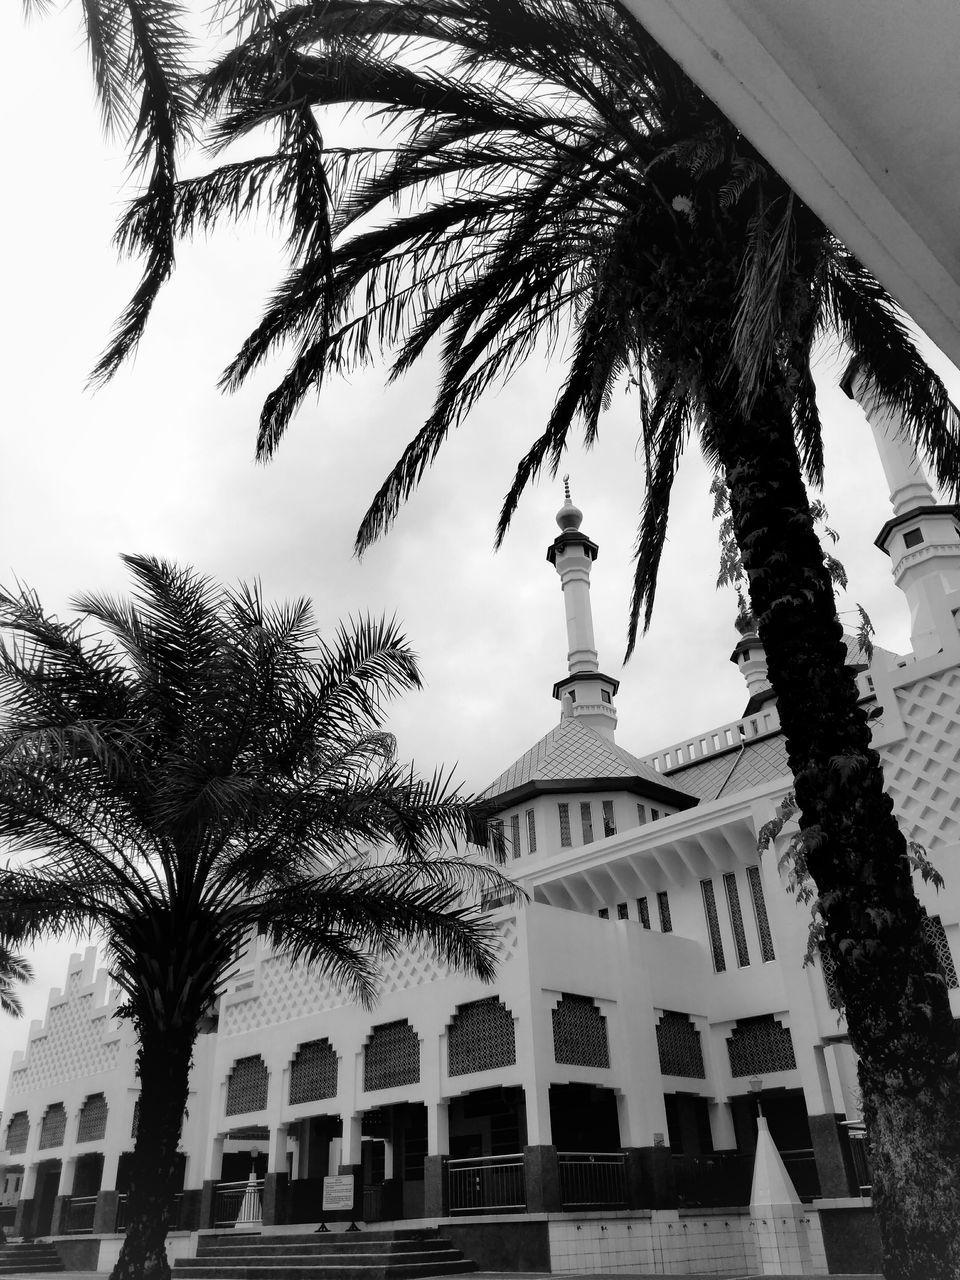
{"points": [[785, 1111], [48, 1183], [89, 1171], [583, 1117], [688, 1124], [489, 1122], [305, 1197]]}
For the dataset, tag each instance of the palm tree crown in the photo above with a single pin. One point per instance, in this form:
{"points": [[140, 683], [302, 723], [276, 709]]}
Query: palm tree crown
{"points": [[13, 968]]}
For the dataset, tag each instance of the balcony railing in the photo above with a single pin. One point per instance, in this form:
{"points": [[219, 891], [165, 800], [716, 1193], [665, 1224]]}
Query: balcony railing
{"points": [[79, 1214], [724, 1178], [592, 1179], [860, 1156], [120, 1222], [237, 1203], [484, 1184]]}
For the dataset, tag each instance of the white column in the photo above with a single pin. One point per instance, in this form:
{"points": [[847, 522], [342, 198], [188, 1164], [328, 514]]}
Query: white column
{"points": [[908, 485], [29, 1184], [350, 1141], [438, 1128], [214, 1162], [277, 1150], [721, 1125], [111, 1162], [68, 1168]]}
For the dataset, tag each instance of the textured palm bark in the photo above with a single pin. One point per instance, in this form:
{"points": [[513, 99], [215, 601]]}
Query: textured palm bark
{"points": [[163, 1065], [898, 1013]]}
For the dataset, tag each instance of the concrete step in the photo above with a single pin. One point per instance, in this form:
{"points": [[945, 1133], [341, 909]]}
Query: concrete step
{"points": [[307, 1258], [292, 1270], [17, 1259], [323, 1245]]}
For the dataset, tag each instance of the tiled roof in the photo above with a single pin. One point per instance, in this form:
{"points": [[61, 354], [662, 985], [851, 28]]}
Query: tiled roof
{"points": [[757, 762], [572, 751]]}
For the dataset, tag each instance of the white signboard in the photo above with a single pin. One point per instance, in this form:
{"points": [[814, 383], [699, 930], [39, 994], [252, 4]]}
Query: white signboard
{"points": [[338, 1193]]}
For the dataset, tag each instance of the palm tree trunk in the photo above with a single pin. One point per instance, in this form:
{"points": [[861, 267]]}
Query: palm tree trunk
{"points": [[897, 1009], [163, 1065]]}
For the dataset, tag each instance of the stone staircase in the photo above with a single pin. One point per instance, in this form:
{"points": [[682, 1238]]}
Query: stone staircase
{"points": [[18, 1259], [364, 1255]]}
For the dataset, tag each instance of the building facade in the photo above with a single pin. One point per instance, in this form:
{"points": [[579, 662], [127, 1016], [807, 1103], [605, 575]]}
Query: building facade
{"points": [[597, 1103]]}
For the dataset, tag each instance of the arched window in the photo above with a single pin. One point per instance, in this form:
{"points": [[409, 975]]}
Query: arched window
{"points": [[760, 1045], [247, 1086], [678, 1043], [92, 1125], [391, 1056], [580, 1033], [481, 1038], [313, 1072], [53, 1126], [18, 1131]]}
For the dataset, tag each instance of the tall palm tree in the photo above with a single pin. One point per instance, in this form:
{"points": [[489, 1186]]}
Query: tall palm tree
{"points": [[13, 968], [202, 766], [544, 180]]}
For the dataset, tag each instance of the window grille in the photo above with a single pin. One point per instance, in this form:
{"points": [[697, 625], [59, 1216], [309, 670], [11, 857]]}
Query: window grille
{"points": [[829, 967], [53, 1126], [641, 815], [92, 1125], [18, 1131], [531, 831], [564, 811], [313, 1072], [481, 1038], [758, 1046], [678, 1043], [936, 936], [736, 919], [760, 913], [654, 814], [605, 697], [713, 925], [496, 837], [136, 1118], [515, 835], [604, 913], [580, 1033], [622, 912], [586, 821], [391, 1056], [609, 820], [247, 1086], [643, 911], [663, 906]]}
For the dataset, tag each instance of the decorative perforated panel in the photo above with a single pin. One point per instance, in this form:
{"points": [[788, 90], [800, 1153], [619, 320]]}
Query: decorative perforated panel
{"points": [[609, 819], [54, 1126], [18, 1131], [289, 991], [643, 912], [713, 925], [313, 1072], [136, 1119], [481, 1037], [515, 835], [563, 811], [936, 936], [391, 1056], [247, 1086], [678, 1043], [760, 913], [580, 1033], [736, 919], [92, 1124], [586, 821], [760, 1045], [663, 908], [78, 1041], [828, 965], [532, 830], [923, 769]]}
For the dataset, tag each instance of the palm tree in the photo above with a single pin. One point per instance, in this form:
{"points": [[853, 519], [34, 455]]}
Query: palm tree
{"points": [[200, 767], [13, 968], [544, 180]]}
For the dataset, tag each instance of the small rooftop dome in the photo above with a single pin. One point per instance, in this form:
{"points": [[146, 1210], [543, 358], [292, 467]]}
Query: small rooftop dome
{"points": [[569, 516]]}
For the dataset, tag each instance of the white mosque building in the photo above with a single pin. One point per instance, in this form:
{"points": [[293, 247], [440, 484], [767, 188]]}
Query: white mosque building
{"points": [[596, 1107]]}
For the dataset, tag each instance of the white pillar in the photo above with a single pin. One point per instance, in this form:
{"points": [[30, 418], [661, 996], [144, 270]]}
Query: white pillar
{"points": [[214, 1162], [908, 485], [277, 1150], [438, 1128], [350, 1141], [721, 1125]]}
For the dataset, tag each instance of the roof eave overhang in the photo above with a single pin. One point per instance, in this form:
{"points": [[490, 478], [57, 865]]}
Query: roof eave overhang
{"points": [[558, 786]]}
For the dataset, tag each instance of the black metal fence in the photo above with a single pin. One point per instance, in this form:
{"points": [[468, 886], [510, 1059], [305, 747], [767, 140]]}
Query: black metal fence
{"points": [[484, 1184], [592, 1179], [237, 1203], [120, 1222], [78, 1215], [723, 1179]]}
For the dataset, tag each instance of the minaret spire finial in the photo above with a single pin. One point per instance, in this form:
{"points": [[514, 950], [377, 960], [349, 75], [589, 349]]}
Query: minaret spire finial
{"points": [[566, 488]]}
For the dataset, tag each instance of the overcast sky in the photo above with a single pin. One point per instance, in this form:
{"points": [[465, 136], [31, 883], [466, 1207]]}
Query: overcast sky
{"points": [[160, 462]]}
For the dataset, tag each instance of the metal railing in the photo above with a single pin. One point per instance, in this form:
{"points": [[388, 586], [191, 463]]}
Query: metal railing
{"points": [[79, 1212], [860, 1155], [237, 1203], [592, 1178], [120, 1222], [487, 1183], [372, 1202], [725, 1178]]}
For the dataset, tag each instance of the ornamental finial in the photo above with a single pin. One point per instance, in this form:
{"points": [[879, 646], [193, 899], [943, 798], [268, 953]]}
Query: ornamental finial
{"points": [[569, 516], [566, 488]]}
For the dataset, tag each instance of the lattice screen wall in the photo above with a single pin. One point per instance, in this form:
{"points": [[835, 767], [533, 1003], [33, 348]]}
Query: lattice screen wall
{"points": [[54, 1126], [678, 1043], [76, 1042], [247, 1086], [18, 1131], [760, 1045], [391, 1056], [313, 1072], [580, 1033], [936, 936], [92, 1125], [923, 769], [481, 1038]]}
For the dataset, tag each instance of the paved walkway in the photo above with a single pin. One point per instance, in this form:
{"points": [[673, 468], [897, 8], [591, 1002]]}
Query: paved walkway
{"points": [[515, 1275]]}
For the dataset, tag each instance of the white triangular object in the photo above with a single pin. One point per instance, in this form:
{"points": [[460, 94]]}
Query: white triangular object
{"points": [[771, 1182]]}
